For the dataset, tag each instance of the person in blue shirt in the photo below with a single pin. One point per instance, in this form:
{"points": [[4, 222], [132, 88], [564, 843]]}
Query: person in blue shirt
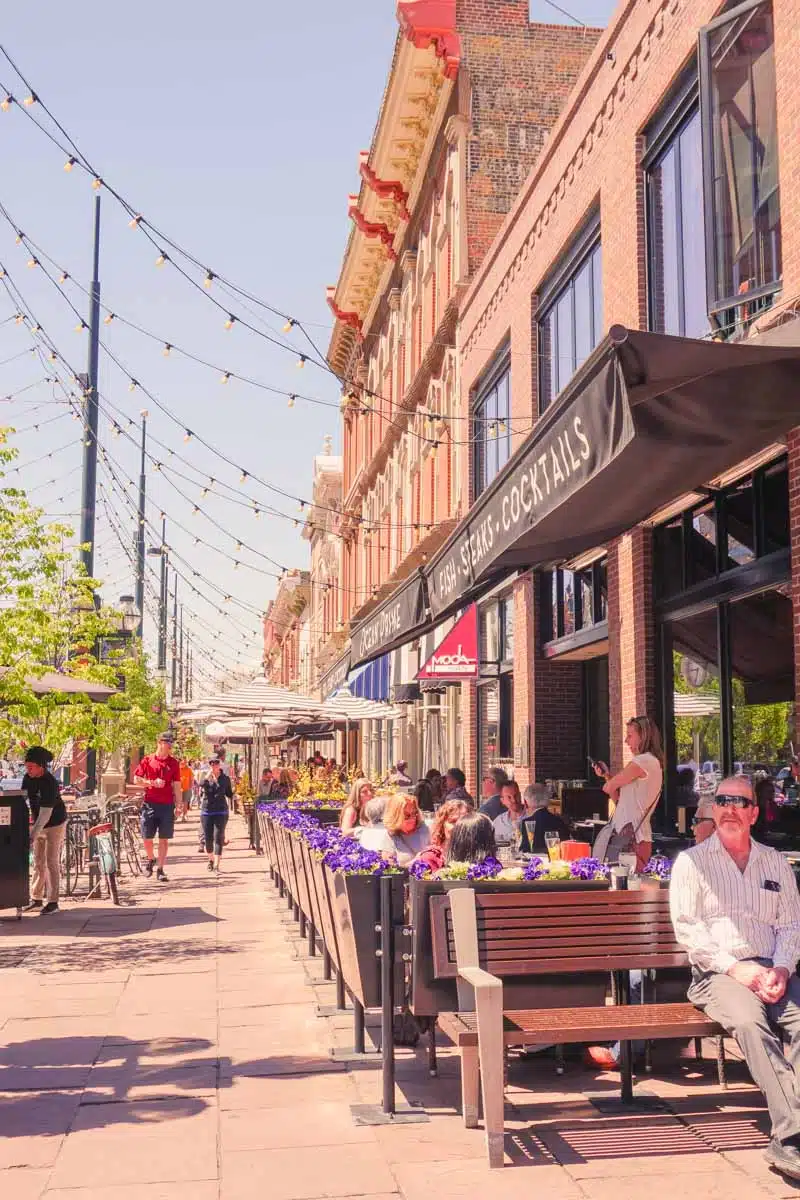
{"points": [[214, 811]]}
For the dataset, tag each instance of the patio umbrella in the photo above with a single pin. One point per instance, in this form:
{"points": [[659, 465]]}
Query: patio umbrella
{"points": [[54, 683]]}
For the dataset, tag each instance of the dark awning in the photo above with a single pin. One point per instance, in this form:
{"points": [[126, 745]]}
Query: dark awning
{"points": [[392, 624], [647, 418], [335, 676]]}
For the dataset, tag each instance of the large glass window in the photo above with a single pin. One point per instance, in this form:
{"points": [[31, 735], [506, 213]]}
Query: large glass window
{"points": [[675, 233], [743, 224], [491, 422], [572, 601], [496, 689], [570, 324]]}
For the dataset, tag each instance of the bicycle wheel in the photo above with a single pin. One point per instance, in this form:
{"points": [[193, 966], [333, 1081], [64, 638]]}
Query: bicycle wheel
{"points": [[71, 861], [130, 850], [111, 880]]}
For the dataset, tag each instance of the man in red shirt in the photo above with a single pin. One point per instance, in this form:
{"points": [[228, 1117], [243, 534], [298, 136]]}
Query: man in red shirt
{"points": [[160, 776]]}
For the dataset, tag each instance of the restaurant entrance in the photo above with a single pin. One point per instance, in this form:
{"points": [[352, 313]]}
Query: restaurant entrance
{"points": [[724, 623]]}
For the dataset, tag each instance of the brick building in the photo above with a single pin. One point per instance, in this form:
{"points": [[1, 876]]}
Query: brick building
{"points": [[631, 537], [472, 94], [287, 635]]}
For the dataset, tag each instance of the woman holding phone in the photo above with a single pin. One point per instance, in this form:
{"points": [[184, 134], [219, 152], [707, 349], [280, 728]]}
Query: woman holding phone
{"points": [[634, 791]]}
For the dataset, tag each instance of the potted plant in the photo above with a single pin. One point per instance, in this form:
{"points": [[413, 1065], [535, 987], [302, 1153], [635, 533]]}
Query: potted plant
{"points": [[657, 873]]}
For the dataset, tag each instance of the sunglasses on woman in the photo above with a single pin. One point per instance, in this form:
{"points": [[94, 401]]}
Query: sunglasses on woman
{"points": [[725, 801]]}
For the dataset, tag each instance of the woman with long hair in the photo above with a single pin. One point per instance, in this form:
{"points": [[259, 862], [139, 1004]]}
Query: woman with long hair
{"points": [[215, 810], [472, 840], [407, 833], [635, 789], [447, 817], [361, 791]]}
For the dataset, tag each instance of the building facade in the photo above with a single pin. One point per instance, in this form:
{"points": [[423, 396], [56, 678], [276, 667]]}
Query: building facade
{"points": [[473, 92], [667, 201], [287, 636], [322, 530]]}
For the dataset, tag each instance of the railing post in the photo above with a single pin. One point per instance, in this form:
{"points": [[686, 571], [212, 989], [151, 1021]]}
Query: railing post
{"points": [[359, 1042], [387, 995]]}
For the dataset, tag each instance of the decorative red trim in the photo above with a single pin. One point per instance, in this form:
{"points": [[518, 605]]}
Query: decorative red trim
{"points": [[432, 23], [371, 229], [347, 318], [393, 190]]}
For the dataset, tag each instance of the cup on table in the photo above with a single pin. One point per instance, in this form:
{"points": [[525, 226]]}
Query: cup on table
{"points": [[619, 879], [628, 861], [553, 843]]}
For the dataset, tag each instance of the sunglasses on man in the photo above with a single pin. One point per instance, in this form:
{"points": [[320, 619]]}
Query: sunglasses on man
{"points": [[699, 821], [724, 801]]}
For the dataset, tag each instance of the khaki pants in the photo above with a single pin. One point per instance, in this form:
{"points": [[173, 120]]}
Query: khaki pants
{"points": [[46, 856]]}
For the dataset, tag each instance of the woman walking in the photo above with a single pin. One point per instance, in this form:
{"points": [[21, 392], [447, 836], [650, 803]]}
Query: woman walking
{"points": [[214, 811]]}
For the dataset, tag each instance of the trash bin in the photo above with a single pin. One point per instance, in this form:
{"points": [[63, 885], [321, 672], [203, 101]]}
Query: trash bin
{"points": [[15, 845]]}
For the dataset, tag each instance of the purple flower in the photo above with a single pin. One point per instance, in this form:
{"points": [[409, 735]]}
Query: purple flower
{"points": [[658, 867], [419, 870], [487, 869], [534, 870], [588, 868]]}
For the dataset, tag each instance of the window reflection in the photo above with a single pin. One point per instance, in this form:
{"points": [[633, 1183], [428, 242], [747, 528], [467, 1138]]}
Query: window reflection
{"points": [[492, 430], [570, 327]]}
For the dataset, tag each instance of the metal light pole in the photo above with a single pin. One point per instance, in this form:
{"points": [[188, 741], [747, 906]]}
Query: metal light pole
{"points": [[91, 408], [140, 529], [175, 638], [181, 672]]}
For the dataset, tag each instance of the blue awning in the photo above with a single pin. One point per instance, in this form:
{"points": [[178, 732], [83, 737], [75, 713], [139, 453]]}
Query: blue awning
{"points": [[371, 681]]}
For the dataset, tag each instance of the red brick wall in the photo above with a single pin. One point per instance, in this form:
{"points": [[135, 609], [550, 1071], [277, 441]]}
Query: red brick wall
{"points": [[794, 530], [469, 716], [519, 77], [631, 635]]}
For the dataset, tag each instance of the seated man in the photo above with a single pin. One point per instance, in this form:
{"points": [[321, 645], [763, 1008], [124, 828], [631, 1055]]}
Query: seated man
{"points": [[735, 907]]}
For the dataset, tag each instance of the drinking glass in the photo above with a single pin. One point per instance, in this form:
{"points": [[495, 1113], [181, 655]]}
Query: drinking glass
{"points": [[628, 861], [553, 843]]}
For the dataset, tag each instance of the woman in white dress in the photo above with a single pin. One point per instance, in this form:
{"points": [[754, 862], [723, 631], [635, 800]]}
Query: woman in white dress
{"points": [[635, 789]]}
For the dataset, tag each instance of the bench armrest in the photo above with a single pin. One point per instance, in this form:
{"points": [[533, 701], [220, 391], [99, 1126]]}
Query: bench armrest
{"points": [[479, 979]]}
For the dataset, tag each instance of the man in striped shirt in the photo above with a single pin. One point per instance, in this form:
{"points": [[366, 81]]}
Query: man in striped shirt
{"points": [[735, 907]]}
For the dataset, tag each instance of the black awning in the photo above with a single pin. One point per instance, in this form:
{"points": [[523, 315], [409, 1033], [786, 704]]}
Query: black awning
{"points": [[647, 418], [405, 693], [396, 621]]}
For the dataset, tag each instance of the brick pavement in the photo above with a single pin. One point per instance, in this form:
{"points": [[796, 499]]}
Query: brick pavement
{"points": [[170, 1049]]}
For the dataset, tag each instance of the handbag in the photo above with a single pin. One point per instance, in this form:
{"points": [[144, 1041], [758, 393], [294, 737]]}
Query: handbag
{"points": [[610, 842]]}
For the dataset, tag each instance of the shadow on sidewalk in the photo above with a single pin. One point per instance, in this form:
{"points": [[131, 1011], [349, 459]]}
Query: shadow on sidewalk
{"points": [[116, 951], [32, 1106]]}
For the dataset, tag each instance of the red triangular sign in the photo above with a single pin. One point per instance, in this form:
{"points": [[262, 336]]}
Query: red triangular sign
{"points": [[456, 656]]}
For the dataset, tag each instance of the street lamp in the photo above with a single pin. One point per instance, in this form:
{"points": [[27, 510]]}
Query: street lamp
{"points": [[162, 553], [131, 614]]}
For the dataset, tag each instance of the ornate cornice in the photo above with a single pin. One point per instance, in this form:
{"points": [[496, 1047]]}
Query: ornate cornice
{"points": [[384, 189], [347, 318], [432, 23], [371, 229]]}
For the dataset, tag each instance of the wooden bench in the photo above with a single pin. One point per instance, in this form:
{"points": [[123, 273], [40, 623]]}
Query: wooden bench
{"points": [[478, 939]]}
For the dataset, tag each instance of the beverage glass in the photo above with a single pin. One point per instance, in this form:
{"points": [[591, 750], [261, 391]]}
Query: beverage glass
{"points": [[553, 843], [628, 861]]}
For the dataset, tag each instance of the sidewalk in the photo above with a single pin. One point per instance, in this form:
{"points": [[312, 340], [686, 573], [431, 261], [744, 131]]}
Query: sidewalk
{"points": [[170, 1049]]}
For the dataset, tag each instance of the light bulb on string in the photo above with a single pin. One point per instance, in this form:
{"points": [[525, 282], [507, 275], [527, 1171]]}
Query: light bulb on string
{"points": [[166, 350], [63, 277], [30, 100], [301, 362], [80, 328], [18, 238], [195, 510], [97, 183], [243, 477], [6, 103], [231, 321], [108, 318], [70, 163], [134, 224], [162, 258], [187, 437], [132, 386], [289, 326], [33, 262], [209, 279], [226, 377], [291, 400]]}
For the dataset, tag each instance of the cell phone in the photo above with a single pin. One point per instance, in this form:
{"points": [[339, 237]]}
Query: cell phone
{"points": [[591, 761]]}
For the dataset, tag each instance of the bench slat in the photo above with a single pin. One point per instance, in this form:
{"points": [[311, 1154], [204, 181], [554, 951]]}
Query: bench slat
{"points": [[632, 1022]]}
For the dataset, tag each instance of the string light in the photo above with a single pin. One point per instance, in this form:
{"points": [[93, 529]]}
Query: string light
{"points": [[231, 321], [6, 103], [132, 386], [301, 362], [290, 324], [291, 400], [80, 328], [33, 262], [63, 277], [226, 377], [30, 100], [209, 279], [134, 224], [166, 350], [162, 258], [70, 163], [243, 477], [97, 183], [108, 318]]}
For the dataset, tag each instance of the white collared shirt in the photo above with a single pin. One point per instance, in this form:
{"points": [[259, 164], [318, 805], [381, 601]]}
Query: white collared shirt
{"points": [[722, 915]]}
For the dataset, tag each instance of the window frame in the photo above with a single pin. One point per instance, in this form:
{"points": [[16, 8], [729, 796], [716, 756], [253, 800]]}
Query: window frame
{"points": [[486, 385], [554, 286], [675, 114], [718, 307]]}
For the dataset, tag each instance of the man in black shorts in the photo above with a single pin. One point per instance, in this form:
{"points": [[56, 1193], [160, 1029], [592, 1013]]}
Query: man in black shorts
{"points": [[160, 776]]}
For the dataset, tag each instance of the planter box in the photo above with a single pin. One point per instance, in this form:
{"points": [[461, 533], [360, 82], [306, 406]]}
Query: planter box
{"points": [[356, 909], [430, 996]]}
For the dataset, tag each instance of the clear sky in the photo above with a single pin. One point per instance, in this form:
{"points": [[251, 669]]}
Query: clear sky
{"points": [[236, 129]]}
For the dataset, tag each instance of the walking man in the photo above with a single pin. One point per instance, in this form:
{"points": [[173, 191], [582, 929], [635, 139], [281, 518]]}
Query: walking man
{"points": [[736, 909], [160, 776]]}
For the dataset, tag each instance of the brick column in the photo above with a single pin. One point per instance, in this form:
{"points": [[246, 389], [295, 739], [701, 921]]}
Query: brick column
{"points": [[524, 674], [631, 635], [793, 445], [469, 716]]}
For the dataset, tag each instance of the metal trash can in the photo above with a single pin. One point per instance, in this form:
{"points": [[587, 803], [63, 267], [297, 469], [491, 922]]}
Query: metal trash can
{"points": [[15, 846]]}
